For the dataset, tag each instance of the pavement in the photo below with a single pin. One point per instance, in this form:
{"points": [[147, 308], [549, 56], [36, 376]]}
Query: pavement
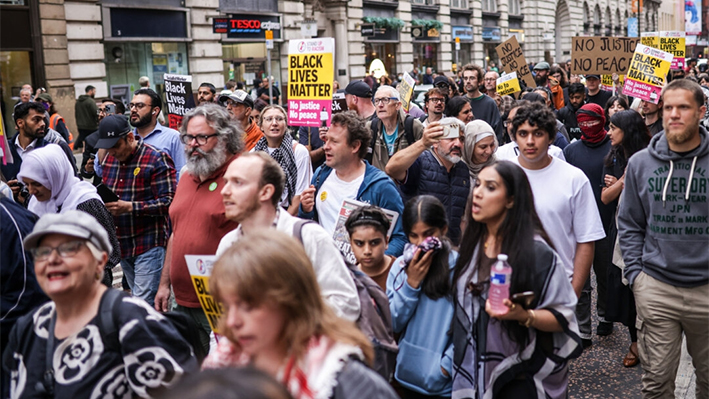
{"points": [[599, 373]]}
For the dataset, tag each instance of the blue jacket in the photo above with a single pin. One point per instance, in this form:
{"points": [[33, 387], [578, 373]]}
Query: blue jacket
{"points": [[425, 346], [376, 189]]}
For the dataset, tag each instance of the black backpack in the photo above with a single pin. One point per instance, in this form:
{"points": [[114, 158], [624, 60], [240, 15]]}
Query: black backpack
{"points": [[184, 324], [408, 132], [375, 316]]}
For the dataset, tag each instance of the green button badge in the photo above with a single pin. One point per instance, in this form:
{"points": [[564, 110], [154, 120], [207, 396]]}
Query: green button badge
{"points": [[213, 186]]}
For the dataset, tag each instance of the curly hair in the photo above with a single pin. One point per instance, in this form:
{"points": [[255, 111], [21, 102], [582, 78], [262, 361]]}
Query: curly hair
{"points": [[536, 114], [218, 119]]}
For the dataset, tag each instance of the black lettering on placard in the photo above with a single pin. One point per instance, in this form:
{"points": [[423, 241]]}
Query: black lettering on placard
{"points": [[602, 55]]}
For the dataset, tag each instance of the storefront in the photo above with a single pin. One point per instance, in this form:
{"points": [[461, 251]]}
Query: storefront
{"points": [[491, 39], [143, 42], [244, 50], [20, 54], [381, 39], [462, 36], [426, 35]]}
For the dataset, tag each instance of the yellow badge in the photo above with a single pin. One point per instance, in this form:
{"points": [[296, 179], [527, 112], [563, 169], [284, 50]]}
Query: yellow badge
{"points": [[323, 196], [136, 171]]}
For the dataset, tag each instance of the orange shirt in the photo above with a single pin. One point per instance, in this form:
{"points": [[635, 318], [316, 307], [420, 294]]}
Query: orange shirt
{"points": [[252, 135]]}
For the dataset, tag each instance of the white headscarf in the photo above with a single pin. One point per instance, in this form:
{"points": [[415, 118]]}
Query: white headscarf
{"points": [[50, 167], [474, 132]]}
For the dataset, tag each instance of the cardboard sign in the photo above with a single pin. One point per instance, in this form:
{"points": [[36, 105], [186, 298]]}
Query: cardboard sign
{"points": [[310, 76], [508, 84], [607, 82], [647, 72], [339, 104], [650, 39], [512, 60], [178, 98], [673, 42], [406, 90], [200, 268], [602, 55]]}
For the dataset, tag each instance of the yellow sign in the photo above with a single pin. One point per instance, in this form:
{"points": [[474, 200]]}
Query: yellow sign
{"points": [[310, 75], [200, 268], [607, 81], [650, 39], [433, 32], [508, 84], [406, 90], [269, 35], [673, 42], [647, 72]]}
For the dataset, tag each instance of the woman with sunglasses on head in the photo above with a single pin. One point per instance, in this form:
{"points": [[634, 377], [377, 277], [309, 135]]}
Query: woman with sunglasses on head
{"points": [[628, 134], [275, 320], [522, 352], [293, 157], [418, 288], [67, 348]]}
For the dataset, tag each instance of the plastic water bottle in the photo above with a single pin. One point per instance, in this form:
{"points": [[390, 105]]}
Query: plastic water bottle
{"points": [[500, 277]]}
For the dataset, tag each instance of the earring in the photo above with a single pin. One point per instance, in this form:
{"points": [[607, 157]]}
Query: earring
{"points": [[99, 275]]}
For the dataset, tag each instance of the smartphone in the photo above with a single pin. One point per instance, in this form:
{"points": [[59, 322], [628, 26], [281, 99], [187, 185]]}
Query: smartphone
{"points": [[110, 109], [523, 298], [92, 156], [106, 194]]}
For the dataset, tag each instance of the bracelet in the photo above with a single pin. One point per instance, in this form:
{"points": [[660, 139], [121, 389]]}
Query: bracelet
{"points": [[530, 319]]}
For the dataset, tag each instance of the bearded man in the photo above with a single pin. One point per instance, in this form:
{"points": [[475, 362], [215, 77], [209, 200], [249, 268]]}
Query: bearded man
{"points": [[211, 142]]}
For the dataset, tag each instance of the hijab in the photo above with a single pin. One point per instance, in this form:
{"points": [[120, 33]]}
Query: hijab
{"points": [[50, 167], [474, 132]]}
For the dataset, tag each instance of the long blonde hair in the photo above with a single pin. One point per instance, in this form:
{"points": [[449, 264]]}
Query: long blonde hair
{"points": [[270, 267]]}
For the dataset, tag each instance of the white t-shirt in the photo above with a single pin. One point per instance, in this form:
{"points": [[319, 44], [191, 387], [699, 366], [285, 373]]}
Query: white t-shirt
{"points": [[304, 167], [511, 150], [566, 207], [328, 200]]}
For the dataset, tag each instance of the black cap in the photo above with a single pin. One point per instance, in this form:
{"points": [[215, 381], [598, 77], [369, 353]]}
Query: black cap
{"points": [[593, 76], [111, 129], [359, 88], [441, 79]]}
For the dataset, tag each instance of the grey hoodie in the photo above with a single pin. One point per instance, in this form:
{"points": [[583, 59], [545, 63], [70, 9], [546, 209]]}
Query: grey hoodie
{"points": [[662, 220]]}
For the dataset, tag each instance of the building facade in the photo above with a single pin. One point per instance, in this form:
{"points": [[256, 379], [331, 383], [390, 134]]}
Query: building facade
{"points": [[65, 45]]}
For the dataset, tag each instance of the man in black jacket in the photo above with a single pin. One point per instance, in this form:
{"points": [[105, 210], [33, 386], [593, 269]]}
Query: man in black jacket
{"points": [[567, 114]]}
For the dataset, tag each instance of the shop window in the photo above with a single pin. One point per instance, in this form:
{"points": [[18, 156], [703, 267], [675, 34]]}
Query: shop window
{"points": [[15, 71], [245, 62], [426, 55], [386, 52]]}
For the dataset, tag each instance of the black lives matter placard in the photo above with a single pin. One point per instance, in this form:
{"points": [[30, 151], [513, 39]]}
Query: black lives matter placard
{"points": [[602, 55], [178, 98]]}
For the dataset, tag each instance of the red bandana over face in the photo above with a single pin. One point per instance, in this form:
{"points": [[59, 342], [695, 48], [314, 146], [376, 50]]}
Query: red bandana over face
{"points": [[591, 121]]}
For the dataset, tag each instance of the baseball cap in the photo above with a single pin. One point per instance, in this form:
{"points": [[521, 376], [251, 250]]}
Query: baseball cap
{"points": [[111, 129], [239, 96], [541, 66], [44, 97], [72, 223], [593, 76], [359, 88], [441, 79]]}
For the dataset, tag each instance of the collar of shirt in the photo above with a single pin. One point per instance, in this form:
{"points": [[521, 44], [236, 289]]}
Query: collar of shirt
{"points": [[135, 151], [157, 128], [21, 150]]}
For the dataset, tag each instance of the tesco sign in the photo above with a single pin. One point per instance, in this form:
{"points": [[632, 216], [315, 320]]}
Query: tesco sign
{"points": [[248, 26]]}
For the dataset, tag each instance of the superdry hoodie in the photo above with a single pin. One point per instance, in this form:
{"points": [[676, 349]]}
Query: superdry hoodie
{"points": [[662, 220]]}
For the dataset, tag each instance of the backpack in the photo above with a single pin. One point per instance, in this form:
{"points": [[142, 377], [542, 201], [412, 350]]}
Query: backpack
{"points": [[185, 326], [375, 317], [408, 132]]}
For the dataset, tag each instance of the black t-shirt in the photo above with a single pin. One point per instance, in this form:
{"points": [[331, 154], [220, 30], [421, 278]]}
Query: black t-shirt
{"points": [[655, 127], [264, 90], [601, 98]]}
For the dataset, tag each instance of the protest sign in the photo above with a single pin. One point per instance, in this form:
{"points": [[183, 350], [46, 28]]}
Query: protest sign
{"points": [[508, 84], [339, 103], [607, 82], [650, 39], [200, 268], [406, 90], [512, 60], [342, 237], [673, 42], [647, 72], [178, 98], [602, 55], [310, 77]]}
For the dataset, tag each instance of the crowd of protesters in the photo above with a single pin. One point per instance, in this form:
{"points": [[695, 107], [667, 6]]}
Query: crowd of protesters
{"points": [[564, 179]]}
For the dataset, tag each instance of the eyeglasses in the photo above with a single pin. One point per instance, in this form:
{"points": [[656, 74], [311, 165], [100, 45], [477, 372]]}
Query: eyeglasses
{"points": [[138, 106], [65, 250], [437, 100], [490, 79], [385, 100], [270, 119], [507, 122], [442, 85], [232, 103], [201, 138]]}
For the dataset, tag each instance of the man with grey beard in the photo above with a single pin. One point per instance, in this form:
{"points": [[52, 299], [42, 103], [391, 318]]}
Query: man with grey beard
{"points": [[211, 142]]}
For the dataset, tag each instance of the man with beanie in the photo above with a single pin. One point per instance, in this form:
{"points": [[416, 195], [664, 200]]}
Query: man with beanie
{"points": [[662, 229], [588, 154]]}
